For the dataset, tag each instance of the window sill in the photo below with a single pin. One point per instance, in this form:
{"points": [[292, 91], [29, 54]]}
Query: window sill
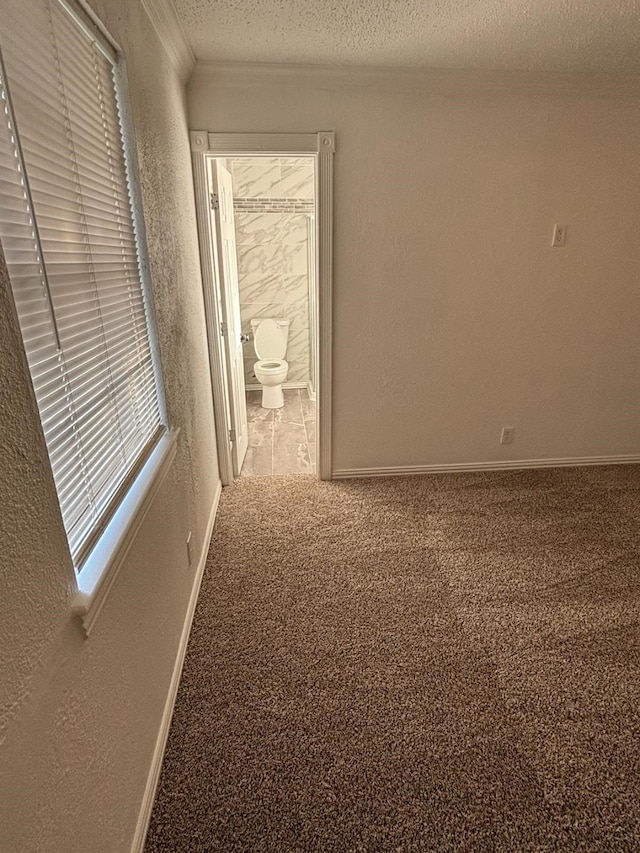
{"points": [[103, 563]]}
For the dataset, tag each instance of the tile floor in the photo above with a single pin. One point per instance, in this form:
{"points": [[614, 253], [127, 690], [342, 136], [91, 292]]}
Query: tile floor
{"points": [[281, 441]]}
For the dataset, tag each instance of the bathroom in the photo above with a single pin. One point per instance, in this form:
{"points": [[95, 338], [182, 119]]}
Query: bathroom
{"points": [[273, 202]]}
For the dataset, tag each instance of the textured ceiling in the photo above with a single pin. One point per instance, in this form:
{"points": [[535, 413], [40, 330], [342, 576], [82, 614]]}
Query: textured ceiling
{"points": [[540, 35]]}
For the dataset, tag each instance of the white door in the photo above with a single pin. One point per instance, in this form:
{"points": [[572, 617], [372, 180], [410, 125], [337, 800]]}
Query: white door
{"points": [[225, 231]]}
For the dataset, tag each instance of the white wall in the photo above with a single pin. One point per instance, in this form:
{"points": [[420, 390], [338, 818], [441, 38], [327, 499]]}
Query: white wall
{"points": [[79, 718], [453, 315]]}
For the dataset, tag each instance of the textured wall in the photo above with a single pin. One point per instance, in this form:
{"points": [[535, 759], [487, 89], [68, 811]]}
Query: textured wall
{"points": [[453, 316], [79, 718], [273, 198]]}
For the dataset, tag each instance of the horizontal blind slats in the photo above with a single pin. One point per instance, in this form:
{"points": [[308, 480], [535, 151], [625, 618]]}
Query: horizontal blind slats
{"points": [[84, 379], [75, 272], [48, 180], [71, 475]]}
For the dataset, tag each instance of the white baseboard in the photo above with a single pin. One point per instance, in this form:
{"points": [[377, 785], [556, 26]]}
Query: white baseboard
{"points": [[146, 807], [511, 465]]}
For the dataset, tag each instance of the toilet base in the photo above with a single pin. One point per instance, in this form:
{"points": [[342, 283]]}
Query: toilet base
{"points": [[272, 397]]}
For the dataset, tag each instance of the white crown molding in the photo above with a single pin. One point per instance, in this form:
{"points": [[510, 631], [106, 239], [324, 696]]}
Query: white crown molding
{"points": [[437, 80], [470, 467], [167, 24]]}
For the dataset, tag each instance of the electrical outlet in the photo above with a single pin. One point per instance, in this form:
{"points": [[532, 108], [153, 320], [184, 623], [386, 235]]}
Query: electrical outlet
{"points": [[507, 435], [559, 235], [189, 547]]}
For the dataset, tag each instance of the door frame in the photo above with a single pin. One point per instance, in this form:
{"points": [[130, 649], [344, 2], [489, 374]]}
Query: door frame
{"points": [[320, 146]]}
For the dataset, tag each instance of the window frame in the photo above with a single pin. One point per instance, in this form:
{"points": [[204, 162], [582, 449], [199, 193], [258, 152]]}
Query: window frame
{"points": [[97, 572]]}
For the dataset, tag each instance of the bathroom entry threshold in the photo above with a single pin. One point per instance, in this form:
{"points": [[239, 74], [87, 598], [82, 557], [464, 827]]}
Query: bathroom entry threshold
{"points": [[281, 441]]}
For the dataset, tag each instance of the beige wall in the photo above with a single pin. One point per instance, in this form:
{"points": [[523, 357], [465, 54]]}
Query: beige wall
{"points": [[79, 718], [453, 315]]}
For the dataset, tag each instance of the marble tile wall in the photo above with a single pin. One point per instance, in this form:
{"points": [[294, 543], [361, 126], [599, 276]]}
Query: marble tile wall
{"points": [[272, 177], [270, 195]]}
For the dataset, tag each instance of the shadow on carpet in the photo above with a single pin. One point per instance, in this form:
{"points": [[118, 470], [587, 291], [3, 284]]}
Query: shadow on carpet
{"points": [[445, 663]]}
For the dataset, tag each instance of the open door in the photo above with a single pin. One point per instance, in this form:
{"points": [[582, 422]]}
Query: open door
{"points": [[223, 226]]}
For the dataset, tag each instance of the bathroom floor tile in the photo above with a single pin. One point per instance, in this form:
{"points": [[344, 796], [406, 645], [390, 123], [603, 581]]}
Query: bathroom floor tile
{"points": [[255, 412], [292, 459], [291, 412], [281, 441], [258, 462], [260, 433], [310, 427], [308, 405], [288, 434]]}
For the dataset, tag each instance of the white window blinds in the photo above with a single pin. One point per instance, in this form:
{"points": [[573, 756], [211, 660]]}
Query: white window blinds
{"points": [[68, 236]]}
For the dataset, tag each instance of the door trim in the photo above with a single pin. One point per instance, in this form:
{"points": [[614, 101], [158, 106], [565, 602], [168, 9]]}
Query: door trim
{"points": [[321, 146]]}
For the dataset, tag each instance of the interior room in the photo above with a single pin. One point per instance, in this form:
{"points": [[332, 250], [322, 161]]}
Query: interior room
{"points": [[274, 210], [420, 629]]}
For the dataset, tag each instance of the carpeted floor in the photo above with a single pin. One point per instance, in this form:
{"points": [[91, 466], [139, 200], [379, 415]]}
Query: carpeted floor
{"points": [[446, 663]]}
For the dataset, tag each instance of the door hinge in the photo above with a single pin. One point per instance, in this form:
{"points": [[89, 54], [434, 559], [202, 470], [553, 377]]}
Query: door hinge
{"points": [[232, 435], [215, 204], [223, 328]]}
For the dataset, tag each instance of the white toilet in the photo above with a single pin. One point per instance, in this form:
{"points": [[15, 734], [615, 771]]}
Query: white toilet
{"points": [[270, 343]]}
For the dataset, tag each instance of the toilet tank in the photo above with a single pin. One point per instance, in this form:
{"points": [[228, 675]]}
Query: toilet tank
{"points": [[270, 348]]}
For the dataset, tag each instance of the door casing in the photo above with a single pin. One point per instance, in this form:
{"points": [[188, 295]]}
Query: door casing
{"points": [[321, 146]]}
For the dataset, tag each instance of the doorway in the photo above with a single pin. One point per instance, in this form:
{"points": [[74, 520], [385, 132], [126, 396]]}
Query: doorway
{"points": [[274, 217], [264, 206]]}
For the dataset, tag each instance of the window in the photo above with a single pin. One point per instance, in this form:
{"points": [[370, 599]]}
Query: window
{"points": [[69, 239]]}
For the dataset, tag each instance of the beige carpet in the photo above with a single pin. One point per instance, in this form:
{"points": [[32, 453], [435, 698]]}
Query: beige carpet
{"points": [[447, 663]]}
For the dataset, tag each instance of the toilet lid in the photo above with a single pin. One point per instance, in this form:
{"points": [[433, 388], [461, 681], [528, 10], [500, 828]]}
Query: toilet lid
{"points": [[268, 340]]}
